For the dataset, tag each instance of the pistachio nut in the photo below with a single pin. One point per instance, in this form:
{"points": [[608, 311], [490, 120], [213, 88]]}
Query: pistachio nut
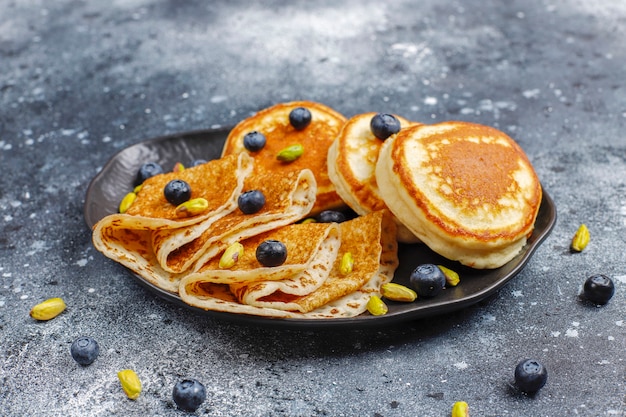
{"points": [[48, 309], [178, 167], [192, 207], [137, 188], [127, 201], [452, 278], [397, 292], [376, 306], [290, 153], [231, 255], [460, 409], [130, 383], [580, 239], [309, 220], [347, 263]]}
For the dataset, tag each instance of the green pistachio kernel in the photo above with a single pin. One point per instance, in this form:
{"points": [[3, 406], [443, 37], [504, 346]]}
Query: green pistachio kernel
{"points": [[376, 306], [397, 292], [290, 153], [580, 239], [192, 207], [452, 278], [48, 309], [231, 255], [127, 201], [130, 383], [460, 409], [309, 220], [347, 263]]}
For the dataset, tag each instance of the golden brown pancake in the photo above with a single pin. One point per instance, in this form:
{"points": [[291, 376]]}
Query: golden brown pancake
{"points": [[273, 122], [352, 164], [467, 191]]}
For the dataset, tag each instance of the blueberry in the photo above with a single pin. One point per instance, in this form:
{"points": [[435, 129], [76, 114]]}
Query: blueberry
{"points": [[598, 289], [530, 376], [85, 350], [271, 253], [197, 162], [427, 280], [331, 216], [188, 394], [251, 201], [177, 192], [300, 118], [384, 125], [147, 170], [254, 141]]}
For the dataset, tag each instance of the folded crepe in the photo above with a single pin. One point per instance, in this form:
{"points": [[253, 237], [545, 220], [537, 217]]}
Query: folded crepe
{"points": [[127, 238], [308, 293], [163, 249], [289, 197]]}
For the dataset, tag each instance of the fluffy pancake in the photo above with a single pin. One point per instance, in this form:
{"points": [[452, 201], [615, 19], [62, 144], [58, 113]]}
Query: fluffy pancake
{"points": [[273, 122], [351, 163], [467, 191]]}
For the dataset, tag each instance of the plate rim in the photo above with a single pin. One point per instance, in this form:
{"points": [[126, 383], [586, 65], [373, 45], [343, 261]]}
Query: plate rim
{"points": [[547, 204]]}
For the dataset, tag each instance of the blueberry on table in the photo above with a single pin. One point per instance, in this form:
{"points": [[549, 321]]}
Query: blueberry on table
{"points": [[251, 201], [530, 376], [188, 394], [177, 192], [598, 289], [331, 216], [271, 253], [300, 117], [427, 280], [384, 125], [147, 170], [254, 141], [85, 350]]}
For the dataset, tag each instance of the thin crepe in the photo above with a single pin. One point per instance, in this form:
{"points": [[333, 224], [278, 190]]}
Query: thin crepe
{"points": [[370, 239], [289, 197], [127, 238]]}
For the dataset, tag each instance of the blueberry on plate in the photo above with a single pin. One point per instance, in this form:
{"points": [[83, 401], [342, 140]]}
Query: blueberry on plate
{"points": [[251, 201], [197, 162], [300, 117], [331, 216], [598, 289], [85, 350], [271, 253], [177, 192], [530, 376], [427, 280], [254, 141], [147, 170], [384, 125], [188, 394]]}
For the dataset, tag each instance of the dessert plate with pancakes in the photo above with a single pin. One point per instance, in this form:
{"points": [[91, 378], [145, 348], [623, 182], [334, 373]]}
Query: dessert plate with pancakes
{"points": [[117, 176]]}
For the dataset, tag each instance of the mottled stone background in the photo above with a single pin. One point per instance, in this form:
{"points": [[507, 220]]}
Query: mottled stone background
{"points": [[81, 80]]}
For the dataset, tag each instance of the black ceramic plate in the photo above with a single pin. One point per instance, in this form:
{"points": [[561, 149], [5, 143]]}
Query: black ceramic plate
{"points": [[115, 179]]}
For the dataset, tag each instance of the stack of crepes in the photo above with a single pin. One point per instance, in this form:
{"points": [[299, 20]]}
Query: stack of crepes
{"points": [[181, 254]]}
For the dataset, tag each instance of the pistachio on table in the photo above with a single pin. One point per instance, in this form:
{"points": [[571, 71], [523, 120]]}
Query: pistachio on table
{"points": [[48, 309], [580, 239], [130, 383]]}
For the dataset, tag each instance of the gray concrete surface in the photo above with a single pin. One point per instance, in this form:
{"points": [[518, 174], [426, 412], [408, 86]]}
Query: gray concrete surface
{"points": [[81, 80]]}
